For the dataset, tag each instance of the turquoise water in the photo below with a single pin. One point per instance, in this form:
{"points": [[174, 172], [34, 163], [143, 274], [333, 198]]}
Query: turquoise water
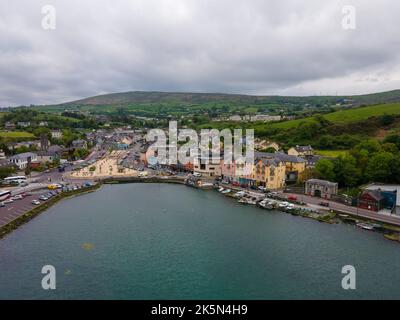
{"points": [[159, 241]]}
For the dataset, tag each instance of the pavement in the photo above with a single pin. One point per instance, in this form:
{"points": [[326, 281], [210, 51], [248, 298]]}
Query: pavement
{"points": [[355, 211]]}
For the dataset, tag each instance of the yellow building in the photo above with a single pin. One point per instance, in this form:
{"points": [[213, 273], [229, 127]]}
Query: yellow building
{"points": [[269, 172], [294, 165]]}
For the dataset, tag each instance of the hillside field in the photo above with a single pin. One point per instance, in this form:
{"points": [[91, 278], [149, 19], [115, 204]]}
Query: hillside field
{"points": [[346, 116]]}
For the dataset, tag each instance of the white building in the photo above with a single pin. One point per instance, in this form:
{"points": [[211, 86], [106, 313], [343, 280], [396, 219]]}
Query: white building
{"points": [[235, 118], [265, 117], [22, 160], [56, 134]]}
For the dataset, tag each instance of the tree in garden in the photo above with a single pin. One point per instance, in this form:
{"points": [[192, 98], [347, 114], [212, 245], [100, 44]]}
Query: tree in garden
{"points": [[325, 169]]}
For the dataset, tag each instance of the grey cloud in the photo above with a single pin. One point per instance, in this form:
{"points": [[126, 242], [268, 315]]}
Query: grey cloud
{"points": [[263, 47]]}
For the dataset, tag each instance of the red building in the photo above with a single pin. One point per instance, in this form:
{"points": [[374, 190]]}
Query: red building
{"points": [[371, 200]]}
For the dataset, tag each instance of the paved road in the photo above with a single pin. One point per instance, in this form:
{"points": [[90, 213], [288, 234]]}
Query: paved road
{"points": [[348, 209], [13, 210]]}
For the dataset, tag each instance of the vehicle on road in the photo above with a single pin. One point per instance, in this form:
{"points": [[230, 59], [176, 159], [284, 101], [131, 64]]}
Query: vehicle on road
{"points": [[15, 179], [293, 198], [324, 204], [35, 202], [4, 194]]}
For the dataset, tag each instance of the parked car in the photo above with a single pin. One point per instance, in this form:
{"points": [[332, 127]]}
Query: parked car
{"points": [[17, 197], [8, 200], [293, 198], [324, 204], [43, 198], [2, 204], [36, 202]]}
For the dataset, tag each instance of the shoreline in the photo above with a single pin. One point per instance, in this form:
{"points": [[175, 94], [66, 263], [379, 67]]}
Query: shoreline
{"points": [[29, 215], [389, 231]]}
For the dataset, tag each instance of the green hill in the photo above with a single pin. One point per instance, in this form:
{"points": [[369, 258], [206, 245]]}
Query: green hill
{"points": [[346, 116], [200, 98]]}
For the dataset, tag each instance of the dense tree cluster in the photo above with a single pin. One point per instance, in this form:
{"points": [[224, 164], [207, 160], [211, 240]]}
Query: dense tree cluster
{"points": [[368, 161]]}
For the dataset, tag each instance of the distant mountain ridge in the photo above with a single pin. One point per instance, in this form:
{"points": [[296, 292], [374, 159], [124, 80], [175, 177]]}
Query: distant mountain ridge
{"points": [[146, 97]]}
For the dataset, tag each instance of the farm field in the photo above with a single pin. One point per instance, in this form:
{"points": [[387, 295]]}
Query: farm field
{"points": [[346, 116], [16, 134], [331, 153]]}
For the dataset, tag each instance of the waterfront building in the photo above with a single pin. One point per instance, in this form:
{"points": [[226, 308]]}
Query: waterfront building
{"points": [[371, 200], [294, 165], [390, 194], [321, 188], [210, 167], [238, 173], [269, 172]]}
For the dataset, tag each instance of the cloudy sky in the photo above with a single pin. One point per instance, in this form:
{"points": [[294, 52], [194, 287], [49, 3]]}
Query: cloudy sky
{"points": [[287, 47]]}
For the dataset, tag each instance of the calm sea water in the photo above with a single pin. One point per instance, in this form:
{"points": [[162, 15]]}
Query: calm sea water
{"points": [[159, 241]]}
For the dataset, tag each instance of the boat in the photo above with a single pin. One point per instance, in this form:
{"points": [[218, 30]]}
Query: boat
{"points": [[4, 194], [221, 189], [365, 226], [226, 191], [283, 204], [266, 204], [343, 215], [247, 201], [239, 194]]}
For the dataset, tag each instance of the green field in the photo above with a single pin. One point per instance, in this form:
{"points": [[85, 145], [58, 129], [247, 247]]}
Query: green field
{"points": [[346, 116], [331, 153], [16, 134]]}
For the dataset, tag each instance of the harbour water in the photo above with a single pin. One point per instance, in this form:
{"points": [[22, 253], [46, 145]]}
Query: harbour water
{"points": [[161, 241]]}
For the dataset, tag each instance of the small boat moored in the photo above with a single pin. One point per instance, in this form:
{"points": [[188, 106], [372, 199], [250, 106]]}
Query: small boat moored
{"points": [[365, 226], [225, 191]]}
